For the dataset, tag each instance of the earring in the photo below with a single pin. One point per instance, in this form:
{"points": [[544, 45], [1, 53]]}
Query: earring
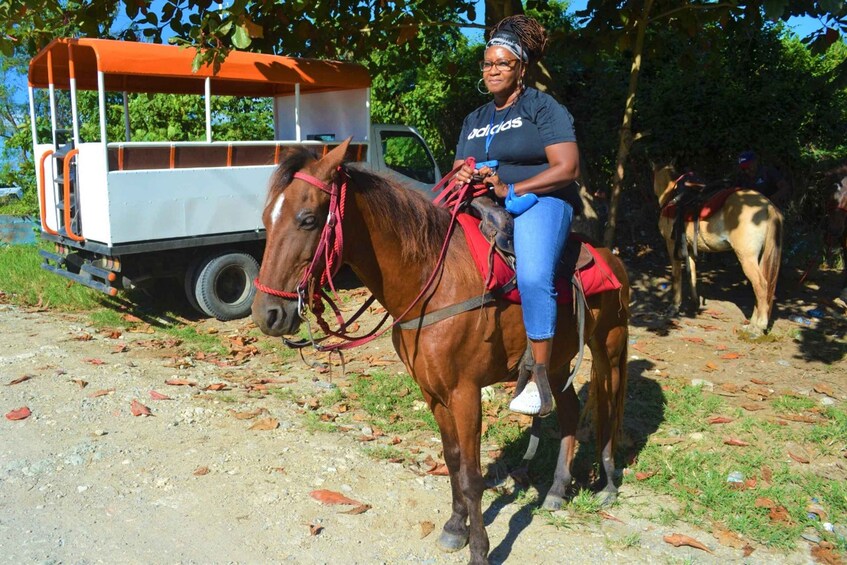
{"points": [[479, 87]]}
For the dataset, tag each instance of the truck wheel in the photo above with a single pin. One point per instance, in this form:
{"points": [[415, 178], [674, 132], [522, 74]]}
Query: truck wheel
{"points": [[224, 285], [190, 285]]}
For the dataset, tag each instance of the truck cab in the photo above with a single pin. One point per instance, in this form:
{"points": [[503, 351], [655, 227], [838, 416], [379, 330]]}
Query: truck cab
{"points": [[123, 212]]}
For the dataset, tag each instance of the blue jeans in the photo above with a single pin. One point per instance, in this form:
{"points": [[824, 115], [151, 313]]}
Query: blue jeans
{"points": [[540, 236]]}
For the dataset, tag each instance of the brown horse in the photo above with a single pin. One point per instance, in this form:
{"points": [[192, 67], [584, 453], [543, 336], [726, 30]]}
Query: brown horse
{"points": [[746, 223], [836, 222], [392, 238]]}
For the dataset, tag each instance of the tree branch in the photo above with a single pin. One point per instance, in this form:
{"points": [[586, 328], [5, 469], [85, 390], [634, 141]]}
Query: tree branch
{"points": [[691, 7]]}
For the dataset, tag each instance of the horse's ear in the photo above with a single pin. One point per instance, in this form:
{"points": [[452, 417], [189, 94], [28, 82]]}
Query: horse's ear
{"points": [[334, 158]]}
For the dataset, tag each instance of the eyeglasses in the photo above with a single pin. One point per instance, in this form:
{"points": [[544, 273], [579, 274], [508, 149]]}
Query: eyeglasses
{"points": [[502, 65]]}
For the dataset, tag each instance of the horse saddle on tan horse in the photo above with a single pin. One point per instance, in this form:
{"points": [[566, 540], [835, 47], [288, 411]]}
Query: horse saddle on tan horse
{"points": [[694, 200]]}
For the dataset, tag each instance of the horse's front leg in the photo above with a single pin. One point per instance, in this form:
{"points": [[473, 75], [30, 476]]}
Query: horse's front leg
{"points": [[465, 406], [692, 284], [676, 278], [567, 413], [454, 534]]}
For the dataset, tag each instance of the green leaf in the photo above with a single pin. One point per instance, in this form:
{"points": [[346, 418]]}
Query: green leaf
{"points": [[241, 38], [774, 8], [225, 27]]}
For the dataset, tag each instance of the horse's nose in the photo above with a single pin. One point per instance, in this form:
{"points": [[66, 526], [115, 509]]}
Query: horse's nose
{"points": [[269, 316]]}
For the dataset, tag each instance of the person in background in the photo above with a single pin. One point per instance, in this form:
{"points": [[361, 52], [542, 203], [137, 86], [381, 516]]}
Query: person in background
{"points": [[762, 178], [531, 136]]}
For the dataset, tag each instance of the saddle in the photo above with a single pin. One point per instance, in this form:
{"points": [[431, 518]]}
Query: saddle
{"points": [[693, 199], [497, 226]]}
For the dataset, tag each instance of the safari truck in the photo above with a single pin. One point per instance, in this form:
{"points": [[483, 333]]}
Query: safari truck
{"points": [[124, 213]]}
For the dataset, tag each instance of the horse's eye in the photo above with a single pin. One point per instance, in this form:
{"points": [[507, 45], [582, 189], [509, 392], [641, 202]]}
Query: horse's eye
{"points": [[306, 220]]}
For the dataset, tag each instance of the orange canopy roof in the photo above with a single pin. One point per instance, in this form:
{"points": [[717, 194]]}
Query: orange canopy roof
{"points": [[149, 67]]}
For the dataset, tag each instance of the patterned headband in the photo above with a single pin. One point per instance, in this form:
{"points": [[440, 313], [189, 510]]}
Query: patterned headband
{"points": [[510, 41]]}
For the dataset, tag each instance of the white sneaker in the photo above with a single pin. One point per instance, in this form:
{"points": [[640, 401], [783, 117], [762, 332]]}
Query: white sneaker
{"points": [[528, 401]]}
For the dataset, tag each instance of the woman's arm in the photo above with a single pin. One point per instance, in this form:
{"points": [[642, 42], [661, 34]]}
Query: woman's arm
{"points": [[563, 170]]}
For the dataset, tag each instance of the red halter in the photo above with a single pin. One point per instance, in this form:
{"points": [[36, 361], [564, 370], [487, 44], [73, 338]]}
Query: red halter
{"points": [[330, 249]]}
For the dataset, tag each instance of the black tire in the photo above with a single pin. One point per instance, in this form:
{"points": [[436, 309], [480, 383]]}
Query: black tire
{"points": [[224, 285], [190, 285]]}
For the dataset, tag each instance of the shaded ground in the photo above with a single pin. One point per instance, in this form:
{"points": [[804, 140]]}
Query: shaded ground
{"points": [[83, 480]]}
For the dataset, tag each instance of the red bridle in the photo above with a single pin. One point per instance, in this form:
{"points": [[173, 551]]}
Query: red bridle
{"points": [[330, 245], [330, 248]]}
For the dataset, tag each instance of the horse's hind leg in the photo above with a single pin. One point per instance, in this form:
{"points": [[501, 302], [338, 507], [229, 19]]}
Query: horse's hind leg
{"points": [[750, 266], [608, 387], [567, 413], [454, 535]]}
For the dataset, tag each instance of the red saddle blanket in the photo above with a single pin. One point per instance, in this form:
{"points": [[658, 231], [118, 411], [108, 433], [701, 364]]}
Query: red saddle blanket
{"points": [[595, 277], [711, 205]]}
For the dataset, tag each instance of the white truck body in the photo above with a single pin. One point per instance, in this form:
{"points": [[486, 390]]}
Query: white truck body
{"points": [[124, 212]]}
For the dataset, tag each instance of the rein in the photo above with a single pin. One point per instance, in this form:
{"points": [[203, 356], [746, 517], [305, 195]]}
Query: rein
{"points": [[327, 261]]}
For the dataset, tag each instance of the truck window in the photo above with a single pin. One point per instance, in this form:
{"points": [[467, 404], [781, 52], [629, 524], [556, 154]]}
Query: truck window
{"points": [[405, 153]]}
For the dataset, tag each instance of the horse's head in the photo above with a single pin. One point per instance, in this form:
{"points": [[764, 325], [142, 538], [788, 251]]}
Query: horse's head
{"points": [[296, 216], [664, 181]]}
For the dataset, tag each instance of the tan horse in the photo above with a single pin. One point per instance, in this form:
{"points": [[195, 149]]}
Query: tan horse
{"points": [[747, 223], [392, 239]]}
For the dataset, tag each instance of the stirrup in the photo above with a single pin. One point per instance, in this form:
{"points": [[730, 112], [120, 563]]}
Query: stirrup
{"points": [[528, 401]]}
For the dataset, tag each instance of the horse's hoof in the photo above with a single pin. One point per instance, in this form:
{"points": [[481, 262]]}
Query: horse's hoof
{"points": [[606, 498], [553, 502], [451, 542]]}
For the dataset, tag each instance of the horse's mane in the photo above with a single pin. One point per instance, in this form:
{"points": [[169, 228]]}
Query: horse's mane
{"points": [[419, 225]]}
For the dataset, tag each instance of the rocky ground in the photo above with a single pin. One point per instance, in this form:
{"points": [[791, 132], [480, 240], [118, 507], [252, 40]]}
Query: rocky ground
{"points": [[224, 469]]}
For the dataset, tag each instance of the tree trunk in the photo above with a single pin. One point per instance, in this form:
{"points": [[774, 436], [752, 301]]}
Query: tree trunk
{"points": [[626, 136]]}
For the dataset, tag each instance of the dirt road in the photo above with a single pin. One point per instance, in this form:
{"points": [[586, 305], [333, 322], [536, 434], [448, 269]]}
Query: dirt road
{"points": [[83, 480]]}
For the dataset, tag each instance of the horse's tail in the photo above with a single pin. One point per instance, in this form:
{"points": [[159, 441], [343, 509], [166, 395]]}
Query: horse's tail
{"points": [[772, 254]]}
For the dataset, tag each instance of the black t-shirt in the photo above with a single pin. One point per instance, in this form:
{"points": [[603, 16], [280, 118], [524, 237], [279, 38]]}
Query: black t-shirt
{"points": [[517, 136], [766, 180]]}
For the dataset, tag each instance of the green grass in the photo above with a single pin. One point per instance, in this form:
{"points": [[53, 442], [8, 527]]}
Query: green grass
{"points": [[193, 340], [26, 284], [384, 452], [695, 473], [393, 401]]}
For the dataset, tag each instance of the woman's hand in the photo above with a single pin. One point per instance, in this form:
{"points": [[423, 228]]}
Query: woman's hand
{"points": [[500, 188]]}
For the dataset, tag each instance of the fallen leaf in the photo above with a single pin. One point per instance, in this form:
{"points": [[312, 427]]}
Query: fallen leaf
{"points": [[265, 425], [727, 538], [698, 340], [180, 382], [247, 415], [361, 509], [763, 502], [81, 383], [216, 386], [824, 552], [131, 318], [803, 418], [798, 456], [101, 392], [710, 367], [139, 409], [438, 469], [94, 361], [736, 442], [719, 420], [315, 529], [331, 497], [21, 413], [823, 388], [642, 475], [730, 356], [20, 380], [607, 516], [752, 407], [767, 474], [779, 514], [200, 471], [122, 348], [760, 381], [159, 396], [677, 540], [426, 528], [748, 550]]}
